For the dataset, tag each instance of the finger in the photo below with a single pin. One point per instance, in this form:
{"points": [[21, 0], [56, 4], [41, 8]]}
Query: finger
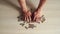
{"points": [[34, 18], [37, 20], [30, 19], [27, 19]]}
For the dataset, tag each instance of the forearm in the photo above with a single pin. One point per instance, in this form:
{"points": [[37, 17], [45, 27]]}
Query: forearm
{"points": [[23, 5], [41, 3]]}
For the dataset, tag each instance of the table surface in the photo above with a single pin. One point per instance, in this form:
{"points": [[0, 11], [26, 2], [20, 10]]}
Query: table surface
{"points": [[10, 25]]}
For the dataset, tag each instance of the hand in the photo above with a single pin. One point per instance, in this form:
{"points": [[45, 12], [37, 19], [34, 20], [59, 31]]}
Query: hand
{"points": [[27, 16], [37, 16]]}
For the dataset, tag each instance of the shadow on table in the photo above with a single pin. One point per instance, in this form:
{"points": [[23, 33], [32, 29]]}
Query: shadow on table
{"points": [[8, 2]]}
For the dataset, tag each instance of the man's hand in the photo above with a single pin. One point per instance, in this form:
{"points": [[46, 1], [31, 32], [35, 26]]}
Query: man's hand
{"points": [[27, 16], [37, 16]]}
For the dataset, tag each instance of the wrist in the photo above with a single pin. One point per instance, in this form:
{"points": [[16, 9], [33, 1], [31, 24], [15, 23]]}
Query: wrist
{"points": [[38, 10], [25, 10]]}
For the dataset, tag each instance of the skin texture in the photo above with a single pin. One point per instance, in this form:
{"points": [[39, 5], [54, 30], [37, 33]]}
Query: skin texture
{"points": [[37, 13], [27, 12]]}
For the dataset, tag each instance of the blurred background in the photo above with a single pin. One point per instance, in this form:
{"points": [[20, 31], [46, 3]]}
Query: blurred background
{"points": [[9, 10]]}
